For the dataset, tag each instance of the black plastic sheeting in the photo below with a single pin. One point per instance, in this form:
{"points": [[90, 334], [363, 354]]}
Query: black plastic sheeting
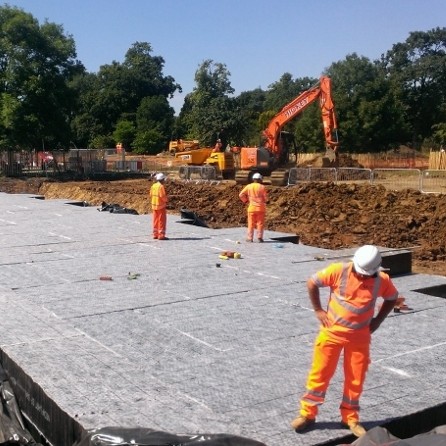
{"points": [[379, 436], [192, 218], [116, 209], [115, 436], [13, 431], [12, 426]]}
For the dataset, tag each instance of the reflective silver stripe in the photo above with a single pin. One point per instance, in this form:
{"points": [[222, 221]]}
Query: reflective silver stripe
{"points": [[344, 277], [348, 307], [316, 280], [345, 323], [314, 397], [316, 393], [376, 287], [312, 402], [353, 403]]}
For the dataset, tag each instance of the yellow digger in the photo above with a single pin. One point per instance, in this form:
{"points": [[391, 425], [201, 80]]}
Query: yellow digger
{"points": [[182, 145], [222, 162]]}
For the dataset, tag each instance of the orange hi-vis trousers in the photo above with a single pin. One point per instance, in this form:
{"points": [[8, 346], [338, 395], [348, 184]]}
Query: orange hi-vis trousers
{"points": [[256, 220], [327, 351], [159, 223]]}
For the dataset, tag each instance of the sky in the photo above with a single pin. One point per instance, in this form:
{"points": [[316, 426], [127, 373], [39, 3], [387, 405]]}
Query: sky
{"points": [[257, 40]]}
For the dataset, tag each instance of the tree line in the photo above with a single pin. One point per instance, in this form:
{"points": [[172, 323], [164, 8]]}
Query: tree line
{"points": [[48, 100]]}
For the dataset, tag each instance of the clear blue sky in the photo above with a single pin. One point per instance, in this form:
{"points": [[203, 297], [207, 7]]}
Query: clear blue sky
{"points": [[258, 40]]}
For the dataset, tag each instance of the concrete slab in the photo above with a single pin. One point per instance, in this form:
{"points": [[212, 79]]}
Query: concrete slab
{"points": [[186, 346]]}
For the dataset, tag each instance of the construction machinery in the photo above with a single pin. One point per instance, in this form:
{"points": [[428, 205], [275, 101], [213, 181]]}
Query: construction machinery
{"points": [[183, 145], [207, 164], [272, 157]]}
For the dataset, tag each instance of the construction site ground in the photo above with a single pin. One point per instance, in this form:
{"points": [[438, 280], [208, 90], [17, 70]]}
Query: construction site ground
{"points": [[103, 326], [322, 215]]}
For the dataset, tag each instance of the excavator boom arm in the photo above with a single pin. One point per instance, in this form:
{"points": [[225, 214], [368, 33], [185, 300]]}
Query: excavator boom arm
{"points": [[321, 91]]}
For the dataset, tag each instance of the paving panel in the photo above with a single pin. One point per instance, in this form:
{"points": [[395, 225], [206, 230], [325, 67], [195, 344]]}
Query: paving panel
{"points": [[188, 342]]}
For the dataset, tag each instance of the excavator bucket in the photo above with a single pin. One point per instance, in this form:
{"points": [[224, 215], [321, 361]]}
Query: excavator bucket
{"points": [[331, 155]]}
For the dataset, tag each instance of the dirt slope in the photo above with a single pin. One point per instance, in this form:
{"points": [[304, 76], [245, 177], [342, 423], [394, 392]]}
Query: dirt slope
{"points": [[323, 215]]}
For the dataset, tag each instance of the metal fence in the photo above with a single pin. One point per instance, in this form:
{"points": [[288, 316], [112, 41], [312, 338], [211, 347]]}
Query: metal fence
{"points": [[92, 162], [350, 174], [398, 179], [82, 162], [433, 181], [427, 181], [197, 173]]}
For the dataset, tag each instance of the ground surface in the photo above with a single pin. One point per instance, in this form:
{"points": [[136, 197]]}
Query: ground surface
{"points": [[323, 215]]}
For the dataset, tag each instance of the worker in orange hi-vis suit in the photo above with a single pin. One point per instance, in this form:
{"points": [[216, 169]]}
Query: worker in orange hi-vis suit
{"points": [[255, 194], [158, 199], [346, 326]]}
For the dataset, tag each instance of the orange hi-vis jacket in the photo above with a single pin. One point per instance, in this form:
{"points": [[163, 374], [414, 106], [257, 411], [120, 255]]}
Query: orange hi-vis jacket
{"points": [[351, 305], [256, 194], [158, 196]]}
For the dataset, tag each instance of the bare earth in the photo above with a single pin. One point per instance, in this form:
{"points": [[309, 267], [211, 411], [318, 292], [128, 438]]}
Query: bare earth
{"points": [[322, 215]]}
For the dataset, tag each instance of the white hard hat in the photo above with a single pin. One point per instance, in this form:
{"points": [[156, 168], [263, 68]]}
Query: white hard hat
{"points": [[159, 177], [367, 260], [257, 176]]}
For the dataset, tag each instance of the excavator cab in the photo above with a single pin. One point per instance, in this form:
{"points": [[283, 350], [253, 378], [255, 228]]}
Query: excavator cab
{"points": [[262, 160]]}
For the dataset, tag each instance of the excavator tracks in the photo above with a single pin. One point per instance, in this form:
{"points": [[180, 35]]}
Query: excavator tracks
{"points": [[279, 177], [242, 176]]}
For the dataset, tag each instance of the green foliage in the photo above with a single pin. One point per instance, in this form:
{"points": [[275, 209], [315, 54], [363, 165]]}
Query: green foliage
{"points": [[249, 106], [439, 135], [417, 70], [149, 142], [154, 112], [285, 90], [118, 91], [36, 64], [124, 133], [369, 114], [210, 109], [102, 142], [309, 132]]}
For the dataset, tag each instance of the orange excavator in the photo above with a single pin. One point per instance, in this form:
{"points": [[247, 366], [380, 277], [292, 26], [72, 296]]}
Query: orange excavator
{"points": [[272, 157]]}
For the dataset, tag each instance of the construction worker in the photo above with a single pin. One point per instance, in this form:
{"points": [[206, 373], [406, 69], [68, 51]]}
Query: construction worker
{"points": [[218, 146], [255, 194], [158, 199], [346, 326]]}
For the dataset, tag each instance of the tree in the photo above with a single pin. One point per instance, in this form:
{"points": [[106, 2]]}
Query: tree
{"points": [[155, 112], [307, 126], [36, 64], [117, 90], [249, 106], [149, 142], [285, 90], [417, 70], [209, 107], [369, 114], [439, 135], [124, 133], [154, 121]]}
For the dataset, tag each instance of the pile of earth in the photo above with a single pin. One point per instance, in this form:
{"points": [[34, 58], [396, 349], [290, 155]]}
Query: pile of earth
{"points": [[324, 215]]}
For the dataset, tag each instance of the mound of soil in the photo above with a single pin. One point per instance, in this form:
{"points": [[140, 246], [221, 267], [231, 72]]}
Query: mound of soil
{"points": [[322, 214]]}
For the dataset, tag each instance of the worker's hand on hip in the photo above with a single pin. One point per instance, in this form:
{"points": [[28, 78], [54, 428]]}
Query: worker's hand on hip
{"points": [[322, 316]]}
